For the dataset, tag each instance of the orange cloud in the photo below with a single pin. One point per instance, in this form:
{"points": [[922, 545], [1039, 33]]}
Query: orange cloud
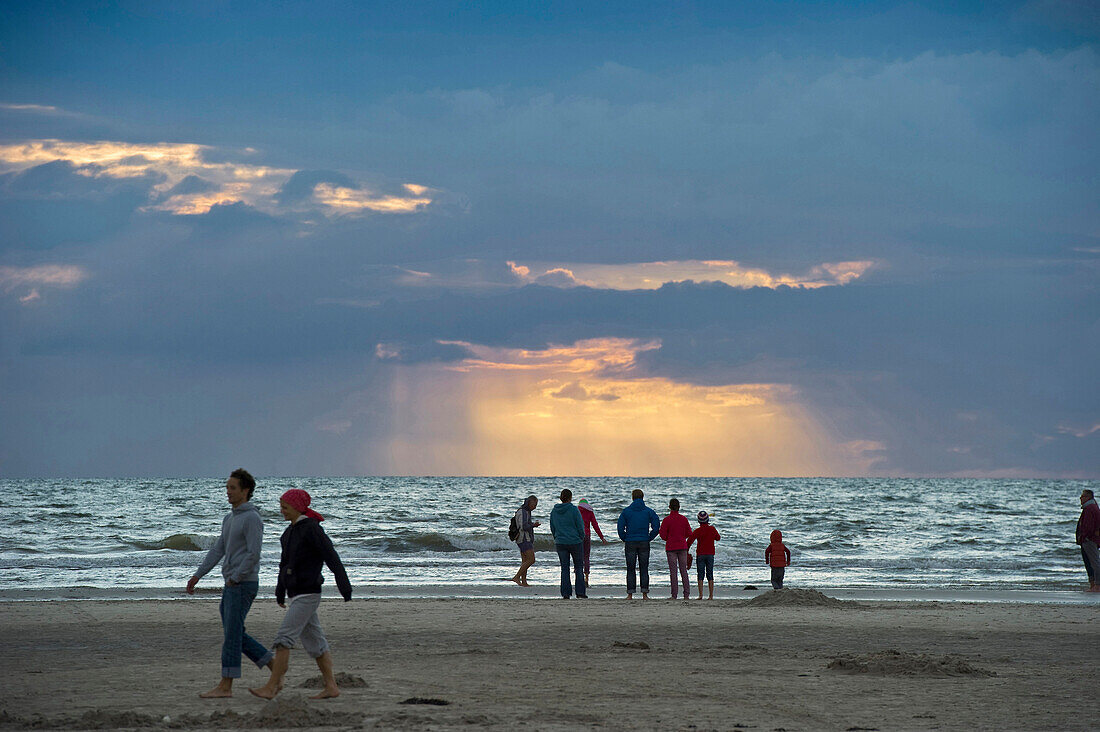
{"points": [[226, 182], [652, 275]]}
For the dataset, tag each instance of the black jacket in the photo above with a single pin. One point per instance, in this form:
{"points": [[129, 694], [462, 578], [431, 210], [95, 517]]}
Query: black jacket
{"points": [[306, 547]]}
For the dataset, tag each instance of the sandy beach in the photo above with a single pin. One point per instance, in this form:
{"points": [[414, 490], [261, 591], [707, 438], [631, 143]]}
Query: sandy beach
{"points": [[797, 661]]}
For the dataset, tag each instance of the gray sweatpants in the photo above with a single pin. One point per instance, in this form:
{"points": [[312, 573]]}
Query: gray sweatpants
{"points": [[301, 621]]}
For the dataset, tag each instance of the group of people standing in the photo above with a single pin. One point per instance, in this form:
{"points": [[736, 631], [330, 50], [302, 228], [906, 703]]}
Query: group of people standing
{"points": [[305, 548], [638, 525]]}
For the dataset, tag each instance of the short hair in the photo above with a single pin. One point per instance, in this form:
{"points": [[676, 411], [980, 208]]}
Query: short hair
{"points": [[674, 504], [637, 493], [566, 495], [245, 479], [1086, 490], [530, 498]]}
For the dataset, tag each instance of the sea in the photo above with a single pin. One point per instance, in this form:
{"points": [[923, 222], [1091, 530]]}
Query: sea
{"points": [[145, 537]]}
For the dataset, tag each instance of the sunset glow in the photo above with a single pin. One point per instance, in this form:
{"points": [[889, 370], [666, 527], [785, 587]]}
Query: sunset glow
{"points": [[582, 410]]}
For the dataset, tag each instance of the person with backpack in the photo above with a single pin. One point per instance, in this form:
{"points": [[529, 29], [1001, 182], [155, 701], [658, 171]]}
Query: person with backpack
{"points": [[522, 531]]}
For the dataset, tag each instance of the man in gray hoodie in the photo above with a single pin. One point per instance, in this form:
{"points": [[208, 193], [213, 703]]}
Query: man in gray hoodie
{"points": [[239, 544]]}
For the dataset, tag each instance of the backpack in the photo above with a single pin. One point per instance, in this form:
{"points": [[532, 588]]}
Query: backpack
{"points": [[513, 530]]}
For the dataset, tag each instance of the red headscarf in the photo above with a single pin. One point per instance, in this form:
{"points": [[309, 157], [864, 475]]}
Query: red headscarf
{"points": [[299, 500]]}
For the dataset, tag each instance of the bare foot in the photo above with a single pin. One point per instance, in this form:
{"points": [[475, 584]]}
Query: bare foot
{"points": [[1094, 588], [266, 692], [327, 693], [218, 692], [645, 596], [516, 580], [629, 596]]}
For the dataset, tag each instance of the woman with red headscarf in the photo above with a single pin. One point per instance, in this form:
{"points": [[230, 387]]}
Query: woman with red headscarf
{"points": [[306, 547]]}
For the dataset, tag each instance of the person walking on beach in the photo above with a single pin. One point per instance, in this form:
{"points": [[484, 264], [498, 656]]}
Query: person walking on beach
{"points": [[306, 547], [778, 557], [676, 530], [239, 546], [590, 523], [706, 535], [526, 538], [638, 525], [567, 527], [1088, 536]]}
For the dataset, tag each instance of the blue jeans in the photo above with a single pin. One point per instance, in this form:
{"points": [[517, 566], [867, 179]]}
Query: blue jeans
{"points": [[1092, 561], [236, 601], [576, 552], [704, 567], [637, 552]]}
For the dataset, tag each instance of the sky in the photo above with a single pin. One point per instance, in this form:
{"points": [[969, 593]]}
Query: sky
{"points": [[519, 238]]}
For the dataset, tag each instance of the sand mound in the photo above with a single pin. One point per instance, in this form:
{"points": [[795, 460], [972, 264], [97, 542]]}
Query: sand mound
{"points": [[635, 645], [343, 680], [896, 663], [790, 597]]}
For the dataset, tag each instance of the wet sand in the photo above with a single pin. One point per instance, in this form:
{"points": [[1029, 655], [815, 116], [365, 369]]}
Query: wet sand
{"points": [[796, 661]]}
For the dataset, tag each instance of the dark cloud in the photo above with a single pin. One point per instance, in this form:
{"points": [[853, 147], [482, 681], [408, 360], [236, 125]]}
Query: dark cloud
{"points": [[54, 203], [301, 185], [574, 390], [191, 184]]}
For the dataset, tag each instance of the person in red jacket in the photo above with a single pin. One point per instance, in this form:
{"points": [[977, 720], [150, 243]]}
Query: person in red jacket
{"points": [[706, 535], [589, 517], [675, 530], [778, 557], [1088, 536]]}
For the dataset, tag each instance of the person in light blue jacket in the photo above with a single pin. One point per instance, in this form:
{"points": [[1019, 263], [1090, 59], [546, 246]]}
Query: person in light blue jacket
{"points": [[238, 549], [638, 524], [567, 526]]}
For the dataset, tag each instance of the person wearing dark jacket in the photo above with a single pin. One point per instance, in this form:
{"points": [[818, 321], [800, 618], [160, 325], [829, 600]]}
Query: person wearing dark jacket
{"points": [[1088, 536], [306, 547], [638, 524]]}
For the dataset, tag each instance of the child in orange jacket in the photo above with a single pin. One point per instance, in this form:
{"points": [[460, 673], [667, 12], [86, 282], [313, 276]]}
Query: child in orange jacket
{"points": [[778, 556]]}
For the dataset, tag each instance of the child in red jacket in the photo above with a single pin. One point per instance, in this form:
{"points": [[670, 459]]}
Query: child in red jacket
{"points": [[778, 556], [706, 535]]}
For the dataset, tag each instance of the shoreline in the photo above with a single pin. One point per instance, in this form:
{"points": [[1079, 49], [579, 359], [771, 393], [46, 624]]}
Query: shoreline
{"points": [[505, 590], [498, 664]]}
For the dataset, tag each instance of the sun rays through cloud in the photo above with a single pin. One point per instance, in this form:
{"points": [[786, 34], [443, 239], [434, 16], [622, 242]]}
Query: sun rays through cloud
{"points": [[586, 409]]}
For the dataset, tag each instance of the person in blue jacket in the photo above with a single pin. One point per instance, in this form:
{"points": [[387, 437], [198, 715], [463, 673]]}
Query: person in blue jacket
{"points": [[567, 526], [638, 524]]}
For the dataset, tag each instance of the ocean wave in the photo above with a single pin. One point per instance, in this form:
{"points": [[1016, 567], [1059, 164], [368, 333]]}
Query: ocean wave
{"points": [[415, 542], [178, 542]]}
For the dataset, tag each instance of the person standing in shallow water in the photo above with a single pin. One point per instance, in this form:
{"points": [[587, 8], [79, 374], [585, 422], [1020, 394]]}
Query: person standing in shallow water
{"points": [[238, 549], [306, 547], [526, 539], [638, 525], [1088, 536]]}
